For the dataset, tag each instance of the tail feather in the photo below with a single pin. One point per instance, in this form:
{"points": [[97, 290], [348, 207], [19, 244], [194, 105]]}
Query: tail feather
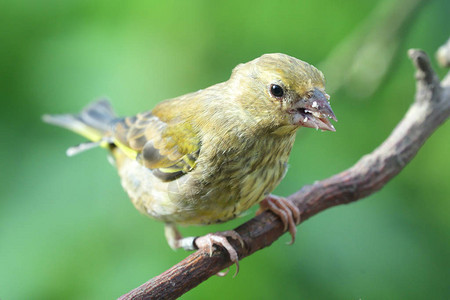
{"points": [[93, 122], [98, 115]]}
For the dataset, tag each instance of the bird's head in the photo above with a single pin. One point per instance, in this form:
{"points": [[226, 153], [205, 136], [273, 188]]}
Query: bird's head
{"points": [[287, 90]]}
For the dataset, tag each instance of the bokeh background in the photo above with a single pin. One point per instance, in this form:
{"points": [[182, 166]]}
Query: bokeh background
{"points": [[68, 231]]}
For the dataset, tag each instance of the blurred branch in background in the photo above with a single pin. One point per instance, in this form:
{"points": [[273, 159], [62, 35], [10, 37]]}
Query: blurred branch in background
{"points": [[360, 62], [430, 109]]}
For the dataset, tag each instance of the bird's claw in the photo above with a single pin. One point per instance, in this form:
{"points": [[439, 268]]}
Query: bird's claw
{"points": [[206, 242], [285, 209]]}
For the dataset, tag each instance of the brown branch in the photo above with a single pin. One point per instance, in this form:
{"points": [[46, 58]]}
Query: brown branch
{"points": [[430, 109]]}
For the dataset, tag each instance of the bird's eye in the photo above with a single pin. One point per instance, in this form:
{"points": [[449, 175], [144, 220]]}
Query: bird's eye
{"points": [[276, 91]]}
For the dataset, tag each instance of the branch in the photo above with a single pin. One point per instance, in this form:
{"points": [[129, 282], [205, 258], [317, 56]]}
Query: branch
{"points": [[430, 109]]}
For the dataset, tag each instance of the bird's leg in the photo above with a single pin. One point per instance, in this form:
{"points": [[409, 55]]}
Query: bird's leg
{"points": [[176, 240], [285, 209], [205, 242]]}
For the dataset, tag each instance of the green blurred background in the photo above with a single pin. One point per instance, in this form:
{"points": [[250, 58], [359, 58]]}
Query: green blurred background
{"points": [[68, 231]]}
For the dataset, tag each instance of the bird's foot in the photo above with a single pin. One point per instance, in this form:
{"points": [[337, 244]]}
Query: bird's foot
{"points": [[285, 209], [206, 242]]}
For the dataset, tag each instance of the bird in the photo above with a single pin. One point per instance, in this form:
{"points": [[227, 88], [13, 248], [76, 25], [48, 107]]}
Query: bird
{"points": [[208, 156]]}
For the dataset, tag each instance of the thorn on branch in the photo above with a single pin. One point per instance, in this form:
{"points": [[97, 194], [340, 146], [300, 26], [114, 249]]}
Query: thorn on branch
{"points": [[428, 83], [422, 63]]}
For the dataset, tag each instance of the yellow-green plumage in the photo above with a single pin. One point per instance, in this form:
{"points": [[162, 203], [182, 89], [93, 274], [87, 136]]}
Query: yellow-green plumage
{"points": [[208, 156]]}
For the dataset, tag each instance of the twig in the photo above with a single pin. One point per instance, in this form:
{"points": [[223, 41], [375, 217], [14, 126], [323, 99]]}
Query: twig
{"points": [[430, 109]]}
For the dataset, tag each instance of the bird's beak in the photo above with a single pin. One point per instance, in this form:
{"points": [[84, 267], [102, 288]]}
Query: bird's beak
{"points": [[314, 112]]}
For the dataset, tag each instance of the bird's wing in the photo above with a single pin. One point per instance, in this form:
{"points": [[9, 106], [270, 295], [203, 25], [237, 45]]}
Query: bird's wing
{"points": [[169, 148]]}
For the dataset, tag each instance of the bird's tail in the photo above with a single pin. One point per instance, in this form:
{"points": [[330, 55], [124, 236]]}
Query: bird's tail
{"points": [[93, 122]]}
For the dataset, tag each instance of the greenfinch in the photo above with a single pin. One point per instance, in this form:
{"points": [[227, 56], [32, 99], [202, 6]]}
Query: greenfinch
{"points": [[208, 156]]}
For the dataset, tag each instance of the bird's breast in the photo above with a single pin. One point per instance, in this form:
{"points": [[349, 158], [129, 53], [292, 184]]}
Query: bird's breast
{"points": [[230, 182]]}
